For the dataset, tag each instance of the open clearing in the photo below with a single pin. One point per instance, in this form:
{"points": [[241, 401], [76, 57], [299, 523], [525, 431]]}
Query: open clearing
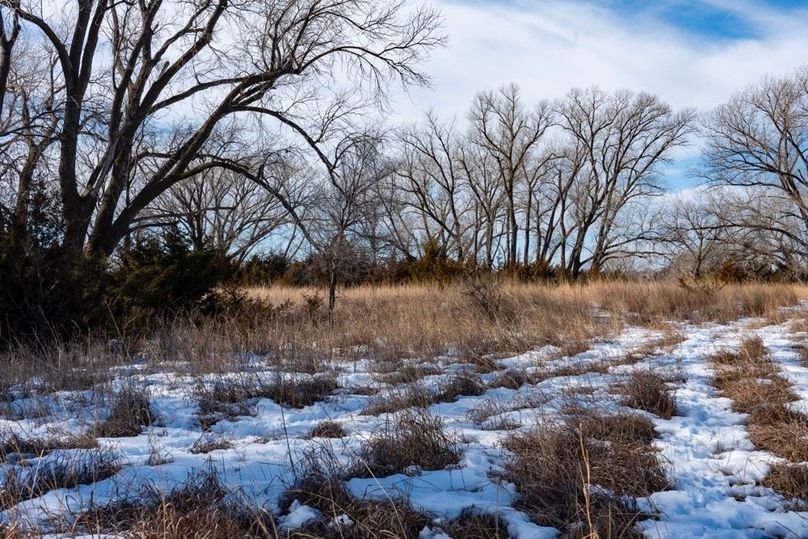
{"points": [[445, 447]]}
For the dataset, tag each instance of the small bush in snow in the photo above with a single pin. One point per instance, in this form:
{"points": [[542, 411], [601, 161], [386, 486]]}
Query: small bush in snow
{"points": [[650, 392], [581, 475], [413, 438], [129, 413]]}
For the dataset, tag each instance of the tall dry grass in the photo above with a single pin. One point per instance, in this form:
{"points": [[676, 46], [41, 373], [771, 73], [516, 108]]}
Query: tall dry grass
{"points": [[641, 301], [467, 321], [428, 320], [388, 324], [756, 387]]}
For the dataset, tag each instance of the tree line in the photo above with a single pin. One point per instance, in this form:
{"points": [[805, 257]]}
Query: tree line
{"points": [[250, 127], [564, 187]]}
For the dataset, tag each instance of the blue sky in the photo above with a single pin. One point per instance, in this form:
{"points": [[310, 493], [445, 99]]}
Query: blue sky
{"points": [[709, 19], [691, 53]]}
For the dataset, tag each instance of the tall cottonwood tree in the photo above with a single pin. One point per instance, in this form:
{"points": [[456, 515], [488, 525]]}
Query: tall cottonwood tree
{"points": [[165, 76], [758, 142], [620, 139], [511, 135], [432, 182]]}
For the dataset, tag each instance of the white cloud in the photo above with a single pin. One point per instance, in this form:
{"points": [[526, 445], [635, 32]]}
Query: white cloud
{"points": [[550, 46]]}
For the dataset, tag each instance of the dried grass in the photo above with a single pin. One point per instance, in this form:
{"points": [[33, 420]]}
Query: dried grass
{"points": [[208, 443], [418, 395], [395, 373], [649, 391], [557, 468], [790, 480], [399, 398], [201, 507], [513, 379], [14, 447], [475, 525], [59, 469], [803, 351], [754, 385], [129, 413], [415, 438], [327, 429], [781, 431], [458, 385], [229, 398], [320, 485]]}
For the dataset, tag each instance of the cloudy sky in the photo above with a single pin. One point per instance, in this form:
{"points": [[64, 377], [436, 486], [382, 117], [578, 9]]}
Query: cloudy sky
{"points": [[692, 53]]}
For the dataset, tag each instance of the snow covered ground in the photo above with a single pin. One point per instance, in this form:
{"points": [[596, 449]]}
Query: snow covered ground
{"points": [[706, 449]]}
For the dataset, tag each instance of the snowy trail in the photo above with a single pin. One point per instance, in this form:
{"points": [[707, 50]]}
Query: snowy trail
{"points": [[259, 462], [715, 466], [782, 343], [473, 483]]}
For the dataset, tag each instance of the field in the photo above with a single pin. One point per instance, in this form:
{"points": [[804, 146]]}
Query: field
{"points": [[484, 410]]}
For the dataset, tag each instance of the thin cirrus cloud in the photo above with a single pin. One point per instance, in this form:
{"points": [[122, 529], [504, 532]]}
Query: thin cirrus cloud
{"points": [[692, 53]]}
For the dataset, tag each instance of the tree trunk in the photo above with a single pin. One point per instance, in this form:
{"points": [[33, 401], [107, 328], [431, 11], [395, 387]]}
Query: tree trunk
{"points": [[332, 291], [525, 260]]}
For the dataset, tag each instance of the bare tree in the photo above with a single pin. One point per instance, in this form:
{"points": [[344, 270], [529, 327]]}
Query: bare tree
{"points": [[335, 222], [228, 212], [620, 141], [760, 234], [511, 135], [690, 231], [553, 204], [432, 182], [167, 75], [481, 175], [758, 142], [28, 123]]}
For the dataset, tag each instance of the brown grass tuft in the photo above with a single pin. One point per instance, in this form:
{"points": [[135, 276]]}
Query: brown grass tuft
{"points": [[60, 469], [413, 438], [200, 507], [327, 429], [400, 398], [486, 414], [129, 413], [755, 395], [620, 429], [724, 357], [321, 486], [14, 447], [207, 443], [649, 391], [458, 385], [418, 395], [752, 349], [803, 350], [790, 480], [228, 398], [513, 379], [475, 525], [396, 374], [781, 431], [553, 465]]}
